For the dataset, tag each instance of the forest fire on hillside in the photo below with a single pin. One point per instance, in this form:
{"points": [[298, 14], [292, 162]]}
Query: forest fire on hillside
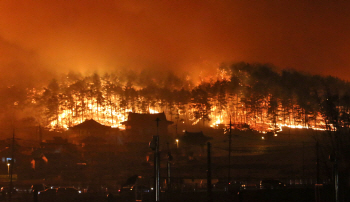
{"points": [[252, 101], [112, 114]]}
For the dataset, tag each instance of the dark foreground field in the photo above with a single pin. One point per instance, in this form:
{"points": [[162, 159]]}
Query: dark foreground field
{"points": [[276, 195]]}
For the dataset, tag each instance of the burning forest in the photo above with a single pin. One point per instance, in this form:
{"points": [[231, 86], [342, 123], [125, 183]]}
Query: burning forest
{"points": [[253, 96]]}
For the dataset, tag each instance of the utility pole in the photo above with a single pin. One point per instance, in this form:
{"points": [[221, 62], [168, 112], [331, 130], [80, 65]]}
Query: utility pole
{"points": [[170, 158], [156, 163], [209, 188], [336, 178], [229, 158], [154, 145], [335, 167]]}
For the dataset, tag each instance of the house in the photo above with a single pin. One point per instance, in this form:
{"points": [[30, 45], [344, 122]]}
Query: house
{"points": [[54, 157], [98, 146], [90, 127], [80, 132], [141, 127]]}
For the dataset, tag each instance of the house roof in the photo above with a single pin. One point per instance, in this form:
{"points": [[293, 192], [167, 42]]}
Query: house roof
{"points": [[136, 118], [90, 125], [195, 138]]}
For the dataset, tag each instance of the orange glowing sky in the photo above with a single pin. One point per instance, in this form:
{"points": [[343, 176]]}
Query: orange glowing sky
{"points": [[48, 37]]}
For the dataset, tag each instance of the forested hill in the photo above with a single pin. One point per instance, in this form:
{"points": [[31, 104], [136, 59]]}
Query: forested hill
{"points": [[254, 95]]}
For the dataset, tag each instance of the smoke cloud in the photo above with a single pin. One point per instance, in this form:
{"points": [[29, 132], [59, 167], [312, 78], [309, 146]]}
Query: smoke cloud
{"points": [[39, 39]]}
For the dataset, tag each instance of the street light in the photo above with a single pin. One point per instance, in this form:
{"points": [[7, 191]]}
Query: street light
{"points": [[8, 169], [177, 143]]}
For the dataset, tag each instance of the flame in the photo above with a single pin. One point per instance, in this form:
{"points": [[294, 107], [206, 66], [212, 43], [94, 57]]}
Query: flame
{"points": [[114, 122], [111, 109], [218, 121], [112, 114]]}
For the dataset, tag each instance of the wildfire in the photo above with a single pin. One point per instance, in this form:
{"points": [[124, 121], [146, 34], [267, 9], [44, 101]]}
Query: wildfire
{"points": [[112, 115], [212, 103], [65, 119], [216, 123]]}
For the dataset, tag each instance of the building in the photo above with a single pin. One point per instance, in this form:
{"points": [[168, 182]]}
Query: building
{"points": [[141, 127], [78, 133], [90, 127]]}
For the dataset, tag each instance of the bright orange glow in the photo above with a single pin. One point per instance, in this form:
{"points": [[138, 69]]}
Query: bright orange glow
{"points": [[114, 119], [113, 114], [111, 109]]}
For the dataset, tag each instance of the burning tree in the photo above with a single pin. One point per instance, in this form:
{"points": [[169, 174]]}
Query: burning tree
{"points": [[252, 94]]}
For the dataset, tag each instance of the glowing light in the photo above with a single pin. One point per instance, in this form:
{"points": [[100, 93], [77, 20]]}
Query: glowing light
{"points": [[113, 109], [45, 159], [218, 121], [153, 111], [8, 169]]}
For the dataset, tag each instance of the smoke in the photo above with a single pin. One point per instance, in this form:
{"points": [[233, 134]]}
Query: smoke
{"points": [[19, 66], [39, 39]]}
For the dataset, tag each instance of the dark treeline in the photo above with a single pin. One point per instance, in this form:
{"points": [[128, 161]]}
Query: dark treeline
{"points": [[254, 95]]}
